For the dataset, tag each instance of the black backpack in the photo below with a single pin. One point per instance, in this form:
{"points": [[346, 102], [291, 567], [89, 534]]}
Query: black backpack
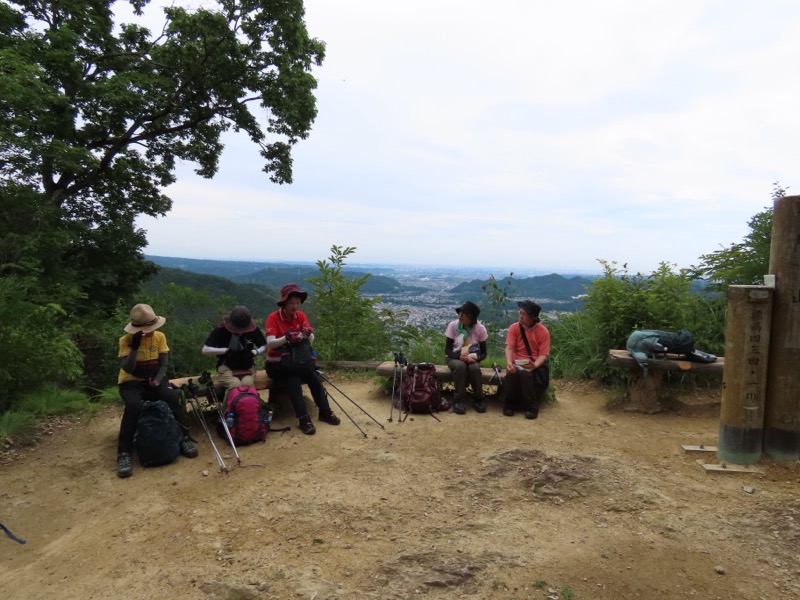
{"points": [[158, 435]]}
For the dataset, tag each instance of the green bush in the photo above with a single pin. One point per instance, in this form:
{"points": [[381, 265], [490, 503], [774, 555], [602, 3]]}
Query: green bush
{"points": [[618, 303], [33, 344]]}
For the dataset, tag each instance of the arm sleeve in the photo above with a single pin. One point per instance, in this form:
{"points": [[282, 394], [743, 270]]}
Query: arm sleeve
{"points": [[128, 363], [163, 363], [214, 351], [448, 348]]}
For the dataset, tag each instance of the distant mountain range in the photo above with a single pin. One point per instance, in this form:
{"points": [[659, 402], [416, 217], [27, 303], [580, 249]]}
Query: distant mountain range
{"points": [[409, 287]]}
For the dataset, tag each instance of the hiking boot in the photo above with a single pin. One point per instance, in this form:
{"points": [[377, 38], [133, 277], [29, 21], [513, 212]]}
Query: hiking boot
{"points": [[187, 448], [124, 465], [306, 426], [329, 418], [458, 408], [480, 405], [508, 409], [532, 414]]}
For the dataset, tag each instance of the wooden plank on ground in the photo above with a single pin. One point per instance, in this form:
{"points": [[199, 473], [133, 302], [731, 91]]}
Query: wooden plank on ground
{"points": [[700, 448], [728, 468]]}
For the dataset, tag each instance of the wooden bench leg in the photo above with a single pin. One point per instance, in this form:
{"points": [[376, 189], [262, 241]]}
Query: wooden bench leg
{"points": [[644, 393]]}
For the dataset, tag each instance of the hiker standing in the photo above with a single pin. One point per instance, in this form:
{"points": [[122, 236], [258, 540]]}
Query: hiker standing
{"points": [[144, 357], [465, 348], [286, 327], [527, 373], [236, 342]]}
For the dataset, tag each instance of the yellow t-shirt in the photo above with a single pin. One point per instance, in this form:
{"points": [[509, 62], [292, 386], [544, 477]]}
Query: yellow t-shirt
{"points": [[146, 356]]}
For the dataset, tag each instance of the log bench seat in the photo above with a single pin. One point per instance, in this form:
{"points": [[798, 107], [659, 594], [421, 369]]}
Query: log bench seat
{"points": [[443, 372], [644, 394]]}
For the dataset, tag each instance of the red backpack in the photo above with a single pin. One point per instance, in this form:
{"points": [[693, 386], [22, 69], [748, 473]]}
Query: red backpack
{"points": [[420, 393], [246, 416]]}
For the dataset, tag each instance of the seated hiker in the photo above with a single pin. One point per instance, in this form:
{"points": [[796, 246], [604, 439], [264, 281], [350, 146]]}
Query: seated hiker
{"points": [[527, 372], [236, 342], [286, 328], [144, 358], [465, 348]]}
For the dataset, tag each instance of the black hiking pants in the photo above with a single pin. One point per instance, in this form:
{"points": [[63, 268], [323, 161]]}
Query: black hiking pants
{"points": [[522, 392], [292, 381]]}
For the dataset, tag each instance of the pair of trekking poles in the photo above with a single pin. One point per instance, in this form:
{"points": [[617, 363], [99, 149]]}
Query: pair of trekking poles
{"points": [[401, 361], [190, 389], [322, 376]]}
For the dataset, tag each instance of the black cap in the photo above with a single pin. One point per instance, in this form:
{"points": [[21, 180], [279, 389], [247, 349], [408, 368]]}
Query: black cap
{"points": [[530, 307], [471, 309]]}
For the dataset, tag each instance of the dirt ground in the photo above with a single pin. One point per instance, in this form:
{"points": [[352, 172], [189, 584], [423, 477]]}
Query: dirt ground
{"points": [[583, 503]]}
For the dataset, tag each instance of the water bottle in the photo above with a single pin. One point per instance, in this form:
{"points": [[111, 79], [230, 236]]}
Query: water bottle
{"points": [[267, 418], [229, 420]]}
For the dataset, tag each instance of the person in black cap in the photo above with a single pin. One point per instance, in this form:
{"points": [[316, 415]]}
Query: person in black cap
{"points": [[465, 348], [527, 348], [236, 342]]}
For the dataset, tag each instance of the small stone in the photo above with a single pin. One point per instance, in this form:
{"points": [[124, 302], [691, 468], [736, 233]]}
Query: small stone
{"points": [[205, 472], [749, 489], [719, 570]]}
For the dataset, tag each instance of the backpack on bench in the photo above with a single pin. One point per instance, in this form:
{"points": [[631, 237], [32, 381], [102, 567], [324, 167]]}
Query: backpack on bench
{"points": [[645, 344]]}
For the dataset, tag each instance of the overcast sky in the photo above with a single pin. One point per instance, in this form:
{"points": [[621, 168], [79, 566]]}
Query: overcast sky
{"points": [[519, 135]]}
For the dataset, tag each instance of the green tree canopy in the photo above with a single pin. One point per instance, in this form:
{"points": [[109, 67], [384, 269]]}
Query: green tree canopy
{"points": [[746, 262], [94, 116]]}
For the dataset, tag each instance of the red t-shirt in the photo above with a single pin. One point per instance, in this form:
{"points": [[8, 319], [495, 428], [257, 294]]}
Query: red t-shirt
{"points": [[277, 325]]}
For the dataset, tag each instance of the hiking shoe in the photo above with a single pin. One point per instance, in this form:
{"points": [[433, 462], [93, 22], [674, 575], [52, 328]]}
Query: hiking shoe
{"points": [[124, 465], [306, 426], [187, 448], [532, 415], [480, 405], [508, 409], [458, 408], [329, 418]]}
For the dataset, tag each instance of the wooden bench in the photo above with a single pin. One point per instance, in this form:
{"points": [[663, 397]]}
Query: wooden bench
{"points": [[262, 382], [644, 394], [443, 372]]}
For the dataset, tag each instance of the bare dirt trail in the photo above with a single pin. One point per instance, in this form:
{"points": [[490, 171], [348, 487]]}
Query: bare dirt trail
{"points": [[582, 503]]}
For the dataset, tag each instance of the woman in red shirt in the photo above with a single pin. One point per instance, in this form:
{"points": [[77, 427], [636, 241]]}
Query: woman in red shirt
{"points": [[289, 326]]}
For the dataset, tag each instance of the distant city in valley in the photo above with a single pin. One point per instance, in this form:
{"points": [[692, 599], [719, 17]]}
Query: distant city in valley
{"points": [[429, 293]]}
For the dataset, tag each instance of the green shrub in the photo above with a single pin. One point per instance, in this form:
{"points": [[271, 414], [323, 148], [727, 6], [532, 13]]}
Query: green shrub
{"points": [[15, 426]]}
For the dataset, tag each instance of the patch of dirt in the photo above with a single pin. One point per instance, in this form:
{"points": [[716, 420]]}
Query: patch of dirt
{"points": [[582, 503]]}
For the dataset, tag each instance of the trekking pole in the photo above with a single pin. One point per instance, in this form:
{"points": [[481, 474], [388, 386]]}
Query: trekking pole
{"points": [[7, 531], [394, 380], [496, 375], [212, 394], [192, 388], [413, 389], [321, 374], [402, 360], [327, 393]]}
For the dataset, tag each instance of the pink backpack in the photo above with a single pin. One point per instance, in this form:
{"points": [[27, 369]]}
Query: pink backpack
{"points": [[246, 416]]}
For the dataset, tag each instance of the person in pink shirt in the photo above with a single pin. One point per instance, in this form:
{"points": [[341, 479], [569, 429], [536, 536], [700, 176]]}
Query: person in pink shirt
{"points": [[465, 348], [527, 349]]}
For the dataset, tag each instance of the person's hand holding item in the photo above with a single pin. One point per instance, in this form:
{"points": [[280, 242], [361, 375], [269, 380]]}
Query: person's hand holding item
{"points": [[136, 340], [294, 337], [307, 331]]}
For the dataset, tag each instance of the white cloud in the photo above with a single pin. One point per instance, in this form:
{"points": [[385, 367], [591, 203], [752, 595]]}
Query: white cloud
{"points": [[530, 132]]}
